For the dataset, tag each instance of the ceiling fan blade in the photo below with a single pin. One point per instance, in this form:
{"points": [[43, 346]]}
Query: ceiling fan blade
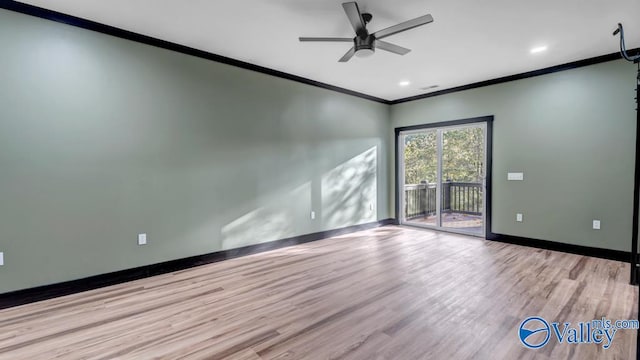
{"points": [[391, 47], [331, 39], [410, 24], [348, 55], [355, 17]]}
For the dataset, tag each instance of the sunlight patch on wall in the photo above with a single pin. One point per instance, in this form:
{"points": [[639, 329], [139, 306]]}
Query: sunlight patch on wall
{"points": [[349, 191], [274, 220]]}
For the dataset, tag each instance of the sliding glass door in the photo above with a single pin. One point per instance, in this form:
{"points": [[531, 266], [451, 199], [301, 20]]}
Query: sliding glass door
{"points": [[442, 172], [421, 177]]}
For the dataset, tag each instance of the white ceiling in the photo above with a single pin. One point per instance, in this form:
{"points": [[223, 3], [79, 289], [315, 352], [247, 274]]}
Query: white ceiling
{"points": [[469, 41]]}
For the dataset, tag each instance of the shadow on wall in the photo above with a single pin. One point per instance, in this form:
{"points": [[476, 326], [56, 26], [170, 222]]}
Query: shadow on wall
{"points": [[349, 191], [347, 196], [271, 222]]}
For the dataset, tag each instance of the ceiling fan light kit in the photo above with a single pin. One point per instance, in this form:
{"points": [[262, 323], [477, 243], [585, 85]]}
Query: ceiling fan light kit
{"points": [[364, 47], [364, 43]]}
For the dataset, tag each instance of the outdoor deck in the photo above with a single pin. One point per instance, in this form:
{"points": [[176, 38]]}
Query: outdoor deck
{"points": [[464, 222], [461, 205]]}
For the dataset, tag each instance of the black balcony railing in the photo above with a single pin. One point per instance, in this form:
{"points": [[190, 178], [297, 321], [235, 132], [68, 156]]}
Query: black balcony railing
{"points": [[459, 197], [420, 200]]}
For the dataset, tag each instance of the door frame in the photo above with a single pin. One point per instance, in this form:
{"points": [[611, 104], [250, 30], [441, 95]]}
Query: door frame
{"points": [[488, 165]]}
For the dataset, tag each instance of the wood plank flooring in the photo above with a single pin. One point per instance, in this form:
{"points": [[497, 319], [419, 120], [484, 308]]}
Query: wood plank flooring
{"points": [[386, 293]]}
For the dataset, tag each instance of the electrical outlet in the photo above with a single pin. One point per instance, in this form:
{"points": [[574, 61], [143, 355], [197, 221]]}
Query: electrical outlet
{"points": [[1, 258], [519, 217], [313, 215], [515, 176], [596, 224], [142, 239]]}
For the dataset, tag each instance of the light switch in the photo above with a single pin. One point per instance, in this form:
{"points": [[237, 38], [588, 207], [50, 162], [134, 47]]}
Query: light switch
{"points": [[142, 239], [515, 176], [596, 224], [519, 217], [1, 258]]}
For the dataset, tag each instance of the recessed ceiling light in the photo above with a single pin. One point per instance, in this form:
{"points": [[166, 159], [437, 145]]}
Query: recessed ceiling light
{"points": [[404, 83], [538, 49]]}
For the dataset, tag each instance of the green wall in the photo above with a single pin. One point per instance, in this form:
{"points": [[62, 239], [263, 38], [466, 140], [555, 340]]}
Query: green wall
{"points": [[572, 133], [102, 138]]}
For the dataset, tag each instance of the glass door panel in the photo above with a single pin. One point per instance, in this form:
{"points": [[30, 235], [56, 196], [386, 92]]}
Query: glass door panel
{"points": [[420, 173], [462, 182]]}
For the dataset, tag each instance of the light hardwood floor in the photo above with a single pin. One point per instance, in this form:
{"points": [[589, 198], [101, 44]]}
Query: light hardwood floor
{"points": [[386, 293]]}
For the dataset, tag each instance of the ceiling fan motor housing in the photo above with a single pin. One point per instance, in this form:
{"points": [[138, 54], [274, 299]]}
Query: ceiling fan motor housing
{"points": [[364, 46]]}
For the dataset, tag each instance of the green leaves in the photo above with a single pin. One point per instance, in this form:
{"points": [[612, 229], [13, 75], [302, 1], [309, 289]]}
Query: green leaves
{"points": [[462, 156]]}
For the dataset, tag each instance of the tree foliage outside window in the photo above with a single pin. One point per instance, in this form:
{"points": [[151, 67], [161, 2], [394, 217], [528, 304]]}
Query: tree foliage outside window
{"points": [[462, 156]]}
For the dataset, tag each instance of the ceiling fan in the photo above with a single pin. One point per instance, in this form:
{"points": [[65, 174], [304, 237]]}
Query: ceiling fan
{"points": [[364, 43]]}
